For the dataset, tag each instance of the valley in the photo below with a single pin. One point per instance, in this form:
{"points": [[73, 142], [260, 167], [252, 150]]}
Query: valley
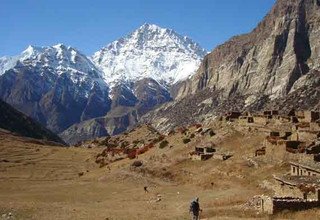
{"points": [[39, 181], [151, 122]]}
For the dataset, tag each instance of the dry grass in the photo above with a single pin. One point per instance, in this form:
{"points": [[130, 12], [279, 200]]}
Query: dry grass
{"points": [[43, 182]]}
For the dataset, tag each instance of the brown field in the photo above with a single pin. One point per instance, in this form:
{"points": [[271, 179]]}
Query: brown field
{"points": [[39, 181]]}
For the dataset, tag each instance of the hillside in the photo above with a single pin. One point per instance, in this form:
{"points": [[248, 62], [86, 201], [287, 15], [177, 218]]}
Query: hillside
{"points": [[15, 121], [76, 181]]}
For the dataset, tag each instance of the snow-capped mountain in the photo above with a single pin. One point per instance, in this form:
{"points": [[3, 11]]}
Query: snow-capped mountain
{"points": [[149, 52], [81, 97], [58, 86], [59, 59]]}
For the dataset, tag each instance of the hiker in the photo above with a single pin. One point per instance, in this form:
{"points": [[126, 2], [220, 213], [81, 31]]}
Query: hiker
{"points": [[195, 209], [145, 189]]}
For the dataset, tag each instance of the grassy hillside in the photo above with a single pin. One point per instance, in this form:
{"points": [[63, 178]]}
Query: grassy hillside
{"points": [[37, 180]]}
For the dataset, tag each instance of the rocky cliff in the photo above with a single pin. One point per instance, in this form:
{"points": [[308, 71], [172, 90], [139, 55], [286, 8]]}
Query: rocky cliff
{"points": [[276, 61]]}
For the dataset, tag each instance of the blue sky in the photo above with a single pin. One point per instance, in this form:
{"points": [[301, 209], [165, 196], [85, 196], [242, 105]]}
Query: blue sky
{"points": [[89, 25]]}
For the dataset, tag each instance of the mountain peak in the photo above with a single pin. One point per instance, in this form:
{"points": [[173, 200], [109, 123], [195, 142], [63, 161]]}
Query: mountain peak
{"points": [[61, 46], [60, 58], [148, 26], [149, 52], [32, 49]]}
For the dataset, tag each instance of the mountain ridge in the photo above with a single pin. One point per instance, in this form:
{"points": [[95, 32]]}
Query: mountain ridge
{"points": [[62, 88]]}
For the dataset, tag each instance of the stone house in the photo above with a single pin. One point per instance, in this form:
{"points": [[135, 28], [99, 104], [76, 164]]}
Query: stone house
{"points": [[305, 169], [232, 116], [297, 191], [308, 116], [278, 147], [202, 153], [246, 120], [271, 113], [261, 119], [303, 181]]}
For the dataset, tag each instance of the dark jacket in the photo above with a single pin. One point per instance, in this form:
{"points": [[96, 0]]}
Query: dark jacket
{"points": [[195, 207]]}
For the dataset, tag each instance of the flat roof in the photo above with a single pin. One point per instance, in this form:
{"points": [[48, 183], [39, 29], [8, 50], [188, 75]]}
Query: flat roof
{"points": [[298, 180], [308, 165]]}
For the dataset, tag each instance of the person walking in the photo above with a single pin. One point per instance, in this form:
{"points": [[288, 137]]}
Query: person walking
{"points": [[195, 209]]}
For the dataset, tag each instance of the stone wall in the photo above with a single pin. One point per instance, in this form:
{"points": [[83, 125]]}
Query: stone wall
{"points": [[273, 205], [280, 204]]}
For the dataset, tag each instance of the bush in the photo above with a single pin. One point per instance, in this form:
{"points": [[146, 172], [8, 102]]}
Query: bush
{"points": [[163, 144], [211, 133], [186, 140], [192, 135], [158, 139], [137, 163], [124, 144], [132, 154]]}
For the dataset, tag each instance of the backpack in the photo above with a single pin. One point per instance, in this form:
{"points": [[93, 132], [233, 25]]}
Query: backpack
{"points": [[194, 207]]}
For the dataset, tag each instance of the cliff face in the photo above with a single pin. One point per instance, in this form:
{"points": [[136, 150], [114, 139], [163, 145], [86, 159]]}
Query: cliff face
{"points": [[267, 61], [253, 70]]}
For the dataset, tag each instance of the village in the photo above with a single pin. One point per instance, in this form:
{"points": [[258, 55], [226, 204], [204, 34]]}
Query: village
{"points": [[294, 139], [252, 165]]}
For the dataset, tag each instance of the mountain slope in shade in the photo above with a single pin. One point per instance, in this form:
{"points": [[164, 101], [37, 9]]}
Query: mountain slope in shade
{"points": [[128, 106], [149, 52], [15, 121], [254, 71]]}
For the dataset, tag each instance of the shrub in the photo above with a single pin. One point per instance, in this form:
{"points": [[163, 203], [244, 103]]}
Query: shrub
{"points": [[158, 139], [163, 144], [192, 135], [137, 163], [186, 140], [132, 154], [124, 144], [211, 133]]}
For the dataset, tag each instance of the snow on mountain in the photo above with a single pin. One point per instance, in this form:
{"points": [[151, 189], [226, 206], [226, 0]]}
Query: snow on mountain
{"points": [[58, 59], [149, 52]]}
